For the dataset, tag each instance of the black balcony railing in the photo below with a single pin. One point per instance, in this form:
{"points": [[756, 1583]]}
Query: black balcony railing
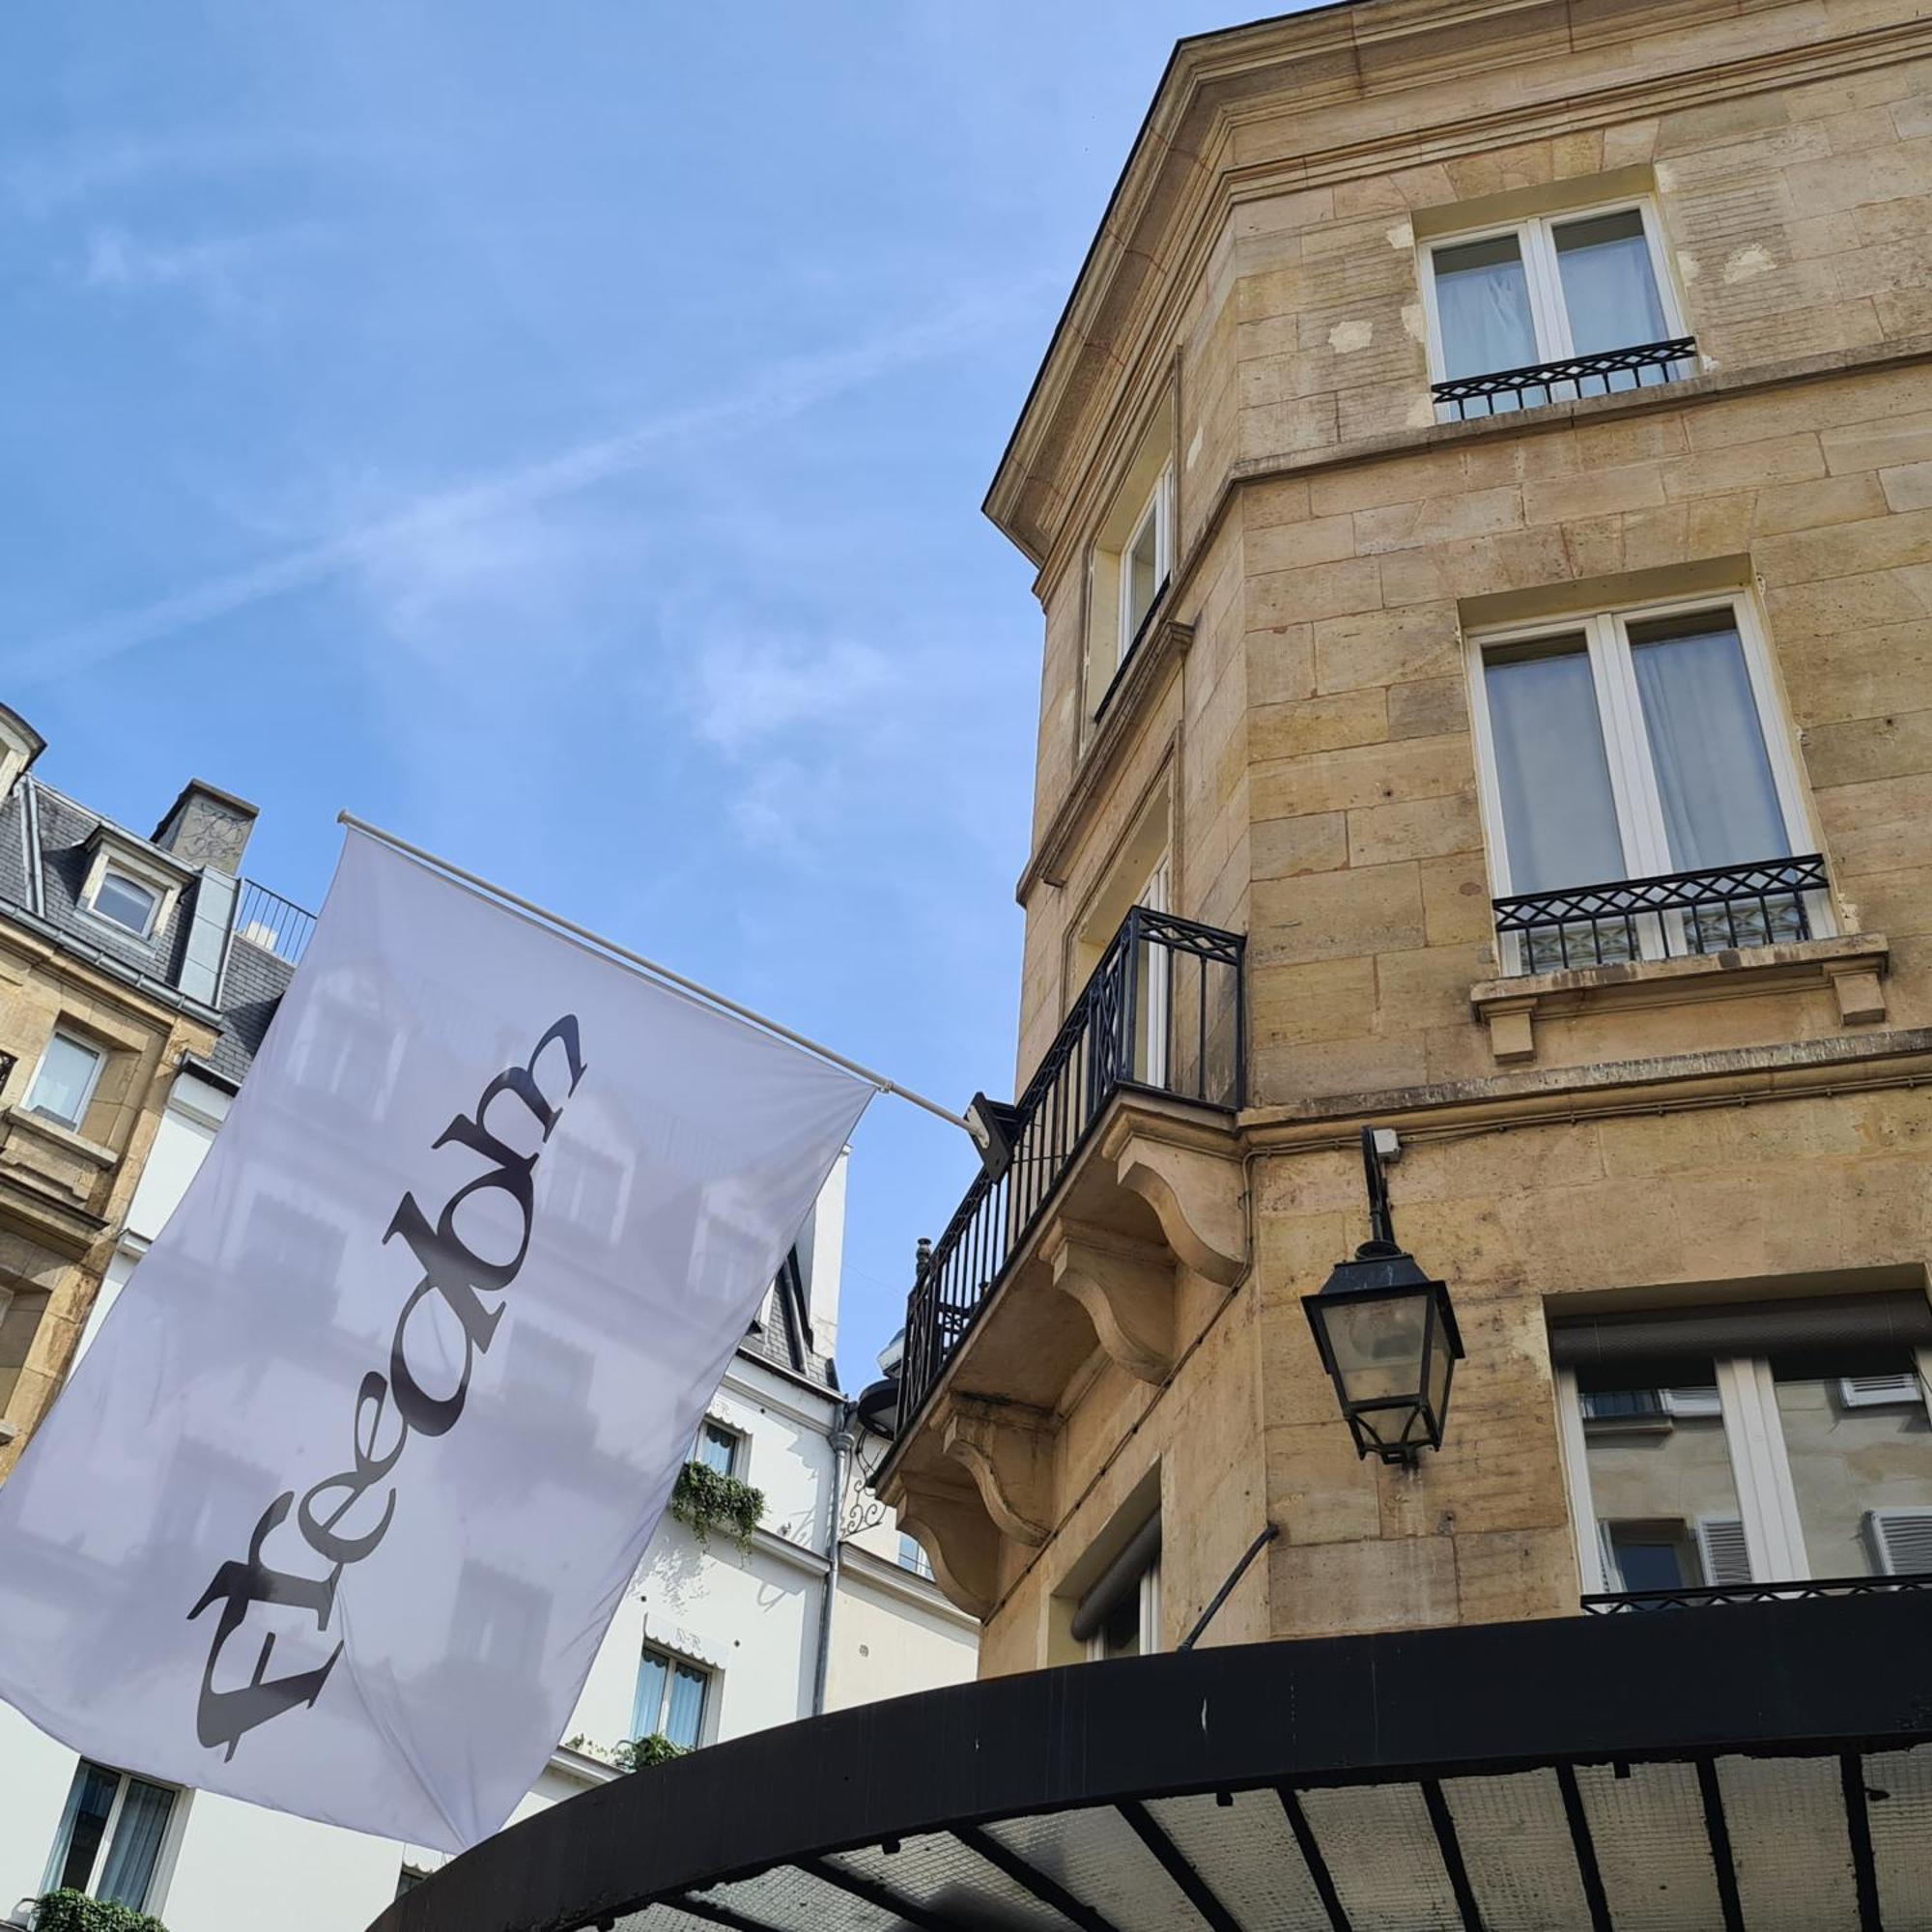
{"points": [[1162, 1014], [275, 924], [1646, 366], [1701, 1596], [1672, 916]]}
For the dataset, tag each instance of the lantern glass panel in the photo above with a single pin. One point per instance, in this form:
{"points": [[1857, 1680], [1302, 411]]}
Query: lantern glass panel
{"points": [[1377, 1346]]}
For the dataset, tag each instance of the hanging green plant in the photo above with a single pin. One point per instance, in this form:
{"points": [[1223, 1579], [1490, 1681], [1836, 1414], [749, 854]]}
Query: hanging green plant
{"points": [[640, 1753], [704, 1500]]}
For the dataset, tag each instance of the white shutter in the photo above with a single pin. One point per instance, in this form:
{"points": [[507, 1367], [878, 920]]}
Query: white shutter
{"points": [[1721, 1542], [1901, 1541], [1870, 1391]]}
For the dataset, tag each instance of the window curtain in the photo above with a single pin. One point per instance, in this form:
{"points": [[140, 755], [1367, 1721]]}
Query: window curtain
{"points": [[1482, 298], [647, 1708], [1714, 775], [96, 1787], [137, 1844], [1559, 814], [687, 1706], [1609, 289]]}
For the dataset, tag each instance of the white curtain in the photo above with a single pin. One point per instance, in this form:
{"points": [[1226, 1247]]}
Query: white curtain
{"points": [[1720, 803], [1482, 297], [1559, 814], [687, 1706], [137, 1843], [1609, 290]]}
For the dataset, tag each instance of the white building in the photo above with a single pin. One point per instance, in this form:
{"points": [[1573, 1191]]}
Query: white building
{"points": [[826, 1604]]}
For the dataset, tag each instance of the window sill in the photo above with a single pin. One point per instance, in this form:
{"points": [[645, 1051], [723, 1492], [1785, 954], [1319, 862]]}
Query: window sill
{"points": [[23, 1120], [1854, 965]]}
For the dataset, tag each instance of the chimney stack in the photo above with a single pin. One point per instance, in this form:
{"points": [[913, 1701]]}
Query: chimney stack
{"points": [[207, 827]]}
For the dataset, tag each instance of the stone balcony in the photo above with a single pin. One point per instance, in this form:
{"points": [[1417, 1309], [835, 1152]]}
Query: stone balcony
{"points": [[1113, 1190]]}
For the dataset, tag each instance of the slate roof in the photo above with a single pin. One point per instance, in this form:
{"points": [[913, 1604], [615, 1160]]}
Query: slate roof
{"points": [[49, 896]]}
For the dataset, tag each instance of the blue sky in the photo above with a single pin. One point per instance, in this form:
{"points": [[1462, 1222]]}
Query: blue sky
{"points": [[558, 434]]}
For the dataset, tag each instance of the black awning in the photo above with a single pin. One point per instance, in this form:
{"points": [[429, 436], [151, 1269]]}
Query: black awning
{"points": [[1709, 1769]]}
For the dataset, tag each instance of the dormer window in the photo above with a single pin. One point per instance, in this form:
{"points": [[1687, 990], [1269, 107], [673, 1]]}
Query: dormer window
{"points": [[1131, 562], [127, 902], [128, 885]]}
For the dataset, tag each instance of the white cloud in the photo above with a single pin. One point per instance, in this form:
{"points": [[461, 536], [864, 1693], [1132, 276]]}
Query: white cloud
{"points": [[749, 690], [226, 271]]}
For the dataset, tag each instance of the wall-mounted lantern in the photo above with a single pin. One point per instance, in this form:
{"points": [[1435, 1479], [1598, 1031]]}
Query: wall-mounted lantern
{"points": [[1387, 1336]]}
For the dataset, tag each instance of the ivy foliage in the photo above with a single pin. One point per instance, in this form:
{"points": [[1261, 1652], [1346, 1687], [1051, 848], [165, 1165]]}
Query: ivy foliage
{"points": [[704, 1500], [75, 1912], [640, 1753]]}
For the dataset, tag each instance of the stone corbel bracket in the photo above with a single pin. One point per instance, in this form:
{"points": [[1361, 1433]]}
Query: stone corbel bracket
{"points": [[1126, 1289], [1007, 1448], [1194, 1184], [959, 1538]]}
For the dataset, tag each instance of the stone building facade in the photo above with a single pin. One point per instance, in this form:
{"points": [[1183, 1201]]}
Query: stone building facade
{"points": [[124, 993], [1481, 488]]}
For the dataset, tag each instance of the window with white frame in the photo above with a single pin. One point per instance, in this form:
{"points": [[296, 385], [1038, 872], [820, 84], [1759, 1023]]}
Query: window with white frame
{"points": [[1550, 289], [113, 1831], [1804, 1450], [127, 902], [1131, 562], [672, 1699], [64, 1082], [1118, 1613], [1634, 743], [718, 1448], [913, 1557]]}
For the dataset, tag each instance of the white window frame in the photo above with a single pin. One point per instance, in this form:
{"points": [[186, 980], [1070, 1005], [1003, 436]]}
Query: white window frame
{"points": [[920, 1563], [1158, 509], [151, 893], [673, 1661], [740, 1441], [1760, 1468], [165, 1853], [1549, 316], [1641, 828], [1148, 1588], [87, 1093], [111, 854]]}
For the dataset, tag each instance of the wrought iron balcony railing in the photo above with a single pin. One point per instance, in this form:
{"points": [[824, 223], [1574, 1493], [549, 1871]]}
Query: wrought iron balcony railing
{"points": [[1673, 916], [1162, 1014], [1700, 1596], [275, 924], [1647, 366]]}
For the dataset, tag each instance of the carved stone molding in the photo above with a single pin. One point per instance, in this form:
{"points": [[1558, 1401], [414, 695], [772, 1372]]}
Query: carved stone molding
{"points": [[1125, 1287], [1195, 1188], [1007, 1448]]}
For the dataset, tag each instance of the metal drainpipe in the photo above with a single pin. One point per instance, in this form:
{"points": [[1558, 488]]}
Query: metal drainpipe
{"points": [[841, 1439]]}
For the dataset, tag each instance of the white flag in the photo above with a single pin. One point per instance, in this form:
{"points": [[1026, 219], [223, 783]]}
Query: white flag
{"points": [[335, 1510]]}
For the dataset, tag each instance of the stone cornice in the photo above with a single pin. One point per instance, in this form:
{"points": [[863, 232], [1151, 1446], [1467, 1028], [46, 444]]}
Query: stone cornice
{"points": [[1180, 184], [1145, 671]]}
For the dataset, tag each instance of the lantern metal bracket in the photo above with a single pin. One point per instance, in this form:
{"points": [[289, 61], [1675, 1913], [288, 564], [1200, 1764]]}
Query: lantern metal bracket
{"points": [[1381, 1216]]}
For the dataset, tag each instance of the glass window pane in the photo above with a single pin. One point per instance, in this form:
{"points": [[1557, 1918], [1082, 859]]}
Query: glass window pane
{"points": [[60, 1087], [1662, 1491], [1143, 573], [647, 1708], [1706, 743], [96, 1790], [1482, 300], [1862, 1477], [137, 1843], [124, 903], [1560, 813], [684, 1722], [717, 1448], [1120, 1632], [1610, 288]]}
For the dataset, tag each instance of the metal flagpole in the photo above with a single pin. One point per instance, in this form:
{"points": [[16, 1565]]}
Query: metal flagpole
{"points": [[479, 884]]}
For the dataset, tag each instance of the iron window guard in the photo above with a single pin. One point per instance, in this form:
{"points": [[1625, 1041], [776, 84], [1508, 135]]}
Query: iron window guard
{"points": [[275, 924], [1563, 381], [1675, 915], [1144, 1020], [1697, 1596]]}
